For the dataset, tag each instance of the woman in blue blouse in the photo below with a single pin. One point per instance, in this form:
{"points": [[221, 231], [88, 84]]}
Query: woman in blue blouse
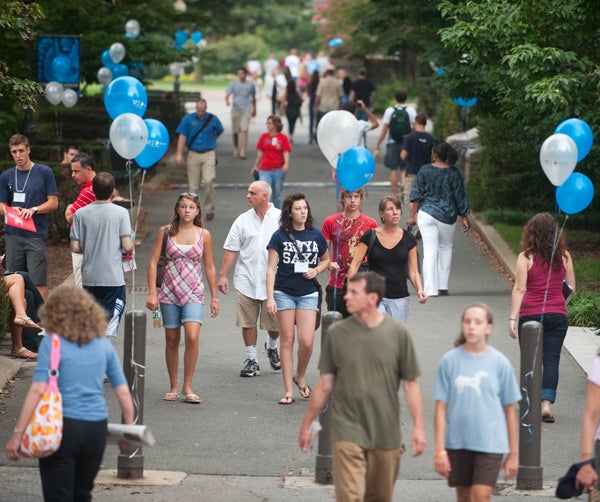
{"points": [[86, 356], [297, 255], [437, 198]]}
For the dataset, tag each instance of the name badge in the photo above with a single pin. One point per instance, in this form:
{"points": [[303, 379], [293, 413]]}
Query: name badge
{"points": [[19, 197], [274, 141], [300, 267]]}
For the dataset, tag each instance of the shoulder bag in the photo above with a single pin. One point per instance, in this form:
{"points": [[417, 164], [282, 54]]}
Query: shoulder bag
{"points": [[317, 283], [160, 266], [43, 433], [206, 122]]}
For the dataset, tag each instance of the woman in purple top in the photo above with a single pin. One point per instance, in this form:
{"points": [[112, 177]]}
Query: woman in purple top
{"points": [[542, 266], [181, 296]]}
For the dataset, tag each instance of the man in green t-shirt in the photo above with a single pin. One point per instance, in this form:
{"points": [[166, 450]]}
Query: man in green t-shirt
{"points": [[363, 361]]}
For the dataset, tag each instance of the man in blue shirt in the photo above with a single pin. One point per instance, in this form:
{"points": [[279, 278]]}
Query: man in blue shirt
{"points": [[31, 189], [199, 132]]}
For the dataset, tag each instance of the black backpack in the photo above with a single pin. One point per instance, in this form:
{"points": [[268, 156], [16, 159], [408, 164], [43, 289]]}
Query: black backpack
{"points": [[399, 124]]}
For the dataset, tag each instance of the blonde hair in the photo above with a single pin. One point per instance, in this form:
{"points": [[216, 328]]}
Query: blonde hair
{"points": [[74, 314], [480, 305]]}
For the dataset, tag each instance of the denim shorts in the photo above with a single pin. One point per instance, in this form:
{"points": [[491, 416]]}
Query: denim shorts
{"points": [[288, 302], [173, 316]]}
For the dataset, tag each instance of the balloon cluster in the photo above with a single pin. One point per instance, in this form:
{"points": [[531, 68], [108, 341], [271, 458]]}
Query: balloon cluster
{"points": [[337, 134], [571, 142], [145, 140], [111, 58], [182, 36], [56, 93]]}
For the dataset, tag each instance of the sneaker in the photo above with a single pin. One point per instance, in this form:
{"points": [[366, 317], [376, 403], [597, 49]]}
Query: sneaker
{"points": [[273, 356], [250, 368]]}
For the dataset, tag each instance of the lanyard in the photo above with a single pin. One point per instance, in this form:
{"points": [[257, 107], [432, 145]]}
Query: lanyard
{"points": [[26, 179]]}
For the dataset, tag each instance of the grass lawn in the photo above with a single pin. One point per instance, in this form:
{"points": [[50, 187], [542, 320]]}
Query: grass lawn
{"points": [[166, 84]]}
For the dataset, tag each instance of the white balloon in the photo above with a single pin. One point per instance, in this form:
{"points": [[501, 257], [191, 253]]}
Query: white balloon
{"points": [[132, 28], [117, 52], [54, 91], [104, 75], [176, 69], [337, 131], [128, 135], [69, 98], [202, 44], [558, 157]]}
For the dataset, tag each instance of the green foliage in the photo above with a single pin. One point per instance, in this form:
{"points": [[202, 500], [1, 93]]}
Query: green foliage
{"points": [[447, 119], [584, 310], [16, 23], [227, 55]]}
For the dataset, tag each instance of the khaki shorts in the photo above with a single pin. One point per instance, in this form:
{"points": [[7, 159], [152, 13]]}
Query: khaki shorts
{"points": [[240, 121], [248, 311]]}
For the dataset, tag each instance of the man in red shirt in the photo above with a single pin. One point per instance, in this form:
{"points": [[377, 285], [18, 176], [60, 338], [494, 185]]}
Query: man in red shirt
{"points": [[83, 170], [343, 231]]}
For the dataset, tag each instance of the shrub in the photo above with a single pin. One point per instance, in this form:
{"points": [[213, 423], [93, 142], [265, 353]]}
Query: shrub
{"points": [[584, 310], [5, 311]]}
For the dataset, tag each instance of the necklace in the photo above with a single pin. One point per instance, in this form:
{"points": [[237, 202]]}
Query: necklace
{"points": [[26, 179]]}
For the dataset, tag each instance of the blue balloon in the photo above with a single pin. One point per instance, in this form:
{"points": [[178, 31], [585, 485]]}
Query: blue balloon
{"points": [[125, 95], [575, 194], [107, 60], [61, 67], [120, 70], [465, 102], [355, 167], [157, 145], [580, 132], [335, 42], [181, 37], [196, 36], [440, 71]]}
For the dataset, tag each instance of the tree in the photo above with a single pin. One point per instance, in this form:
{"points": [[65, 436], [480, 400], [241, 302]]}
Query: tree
{"points": [[531, 66], [16, 24]]}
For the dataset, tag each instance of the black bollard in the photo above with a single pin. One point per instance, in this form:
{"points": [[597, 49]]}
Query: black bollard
{"points": [[130, 464], [531, 339], [324, 463]]}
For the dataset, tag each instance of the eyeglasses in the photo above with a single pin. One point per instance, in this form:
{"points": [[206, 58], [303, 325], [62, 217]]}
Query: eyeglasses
{"points": [[190, 195]]}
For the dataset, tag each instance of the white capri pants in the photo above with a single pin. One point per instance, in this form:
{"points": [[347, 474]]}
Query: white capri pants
{"points": [[437, 252]]}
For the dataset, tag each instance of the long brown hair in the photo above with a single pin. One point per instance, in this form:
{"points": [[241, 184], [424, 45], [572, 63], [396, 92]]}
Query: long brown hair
{"points": [[539, 236], [174, 228]]}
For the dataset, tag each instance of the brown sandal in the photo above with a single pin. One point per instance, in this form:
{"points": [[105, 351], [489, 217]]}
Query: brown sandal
{"points": [[287, 400], [24, 353]]}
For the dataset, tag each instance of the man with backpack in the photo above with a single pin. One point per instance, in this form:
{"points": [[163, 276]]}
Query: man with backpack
{"points": [[398, 120]]}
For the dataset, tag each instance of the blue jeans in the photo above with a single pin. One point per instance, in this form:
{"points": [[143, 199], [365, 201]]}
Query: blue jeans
{"points": [[555, 330], [273, 177]]}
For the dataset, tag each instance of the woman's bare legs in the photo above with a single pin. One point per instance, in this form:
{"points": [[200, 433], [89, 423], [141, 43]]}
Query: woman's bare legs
{"points": [[172, 337], [190, 354], [286, 319], [305, 326]]}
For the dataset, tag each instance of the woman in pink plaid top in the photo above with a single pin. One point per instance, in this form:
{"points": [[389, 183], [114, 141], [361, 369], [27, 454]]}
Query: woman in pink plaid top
{"points": [[181, 296]]}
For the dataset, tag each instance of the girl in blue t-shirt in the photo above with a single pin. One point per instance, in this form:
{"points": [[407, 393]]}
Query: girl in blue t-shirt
{"points": [[475, 423], [297, 254]]}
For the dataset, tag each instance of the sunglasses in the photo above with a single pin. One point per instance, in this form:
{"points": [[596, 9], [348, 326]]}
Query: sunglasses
{"points": [[189, 195]]}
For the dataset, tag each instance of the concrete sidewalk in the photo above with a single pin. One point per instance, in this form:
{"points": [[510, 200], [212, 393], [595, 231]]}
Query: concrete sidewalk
{"points": [[239, 444]]}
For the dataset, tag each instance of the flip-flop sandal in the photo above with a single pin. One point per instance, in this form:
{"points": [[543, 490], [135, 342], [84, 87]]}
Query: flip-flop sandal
{"points": [[171, 396], [548, 418], [27, 322], [24, 353], [191, 399], [287, 400], [305, 392]]}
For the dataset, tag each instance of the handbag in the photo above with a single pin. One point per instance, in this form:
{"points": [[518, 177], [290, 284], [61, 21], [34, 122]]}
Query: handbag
{"points": [[317, 283], [162, 260], [43, 433]]}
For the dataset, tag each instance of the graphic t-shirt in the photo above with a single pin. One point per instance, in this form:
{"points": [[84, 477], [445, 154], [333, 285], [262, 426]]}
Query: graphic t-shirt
{"points": [[273, 148], [344, 235], [476, 387], [312, 244]]}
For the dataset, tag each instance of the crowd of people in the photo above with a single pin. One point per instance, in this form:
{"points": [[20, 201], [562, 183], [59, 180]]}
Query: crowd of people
{"points": [[277, 252]]}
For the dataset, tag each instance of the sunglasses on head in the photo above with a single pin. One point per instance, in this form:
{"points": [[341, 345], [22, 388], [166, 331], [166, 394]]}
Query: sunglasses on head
{"points": [[190, 195]]}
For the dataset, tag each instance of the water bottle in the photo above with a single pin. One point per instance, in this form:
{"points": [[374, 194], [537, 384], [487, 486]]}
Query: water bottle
{"points": [[156, 318]]}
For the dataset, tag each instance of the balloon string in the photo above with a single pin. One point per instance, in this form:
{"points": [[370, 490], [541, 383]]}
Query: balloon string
{"points": [[336, 248]]}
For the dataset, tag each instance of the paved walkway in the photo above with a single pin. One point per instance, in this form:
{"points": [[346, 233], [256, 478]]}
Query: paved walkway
{"points": [[239, 444]]}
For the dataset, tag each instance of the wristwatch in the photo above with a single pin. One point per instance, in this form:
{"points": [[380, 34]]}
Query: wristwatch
{"points": [[35, 209]]}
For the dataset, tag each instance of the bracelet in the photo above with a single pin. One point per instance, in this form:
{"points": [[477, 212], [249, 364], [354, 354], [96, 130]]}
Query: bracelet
{"points": [[17, 431], [215, 300], [317, 270], [439, 454], [512, 319]]}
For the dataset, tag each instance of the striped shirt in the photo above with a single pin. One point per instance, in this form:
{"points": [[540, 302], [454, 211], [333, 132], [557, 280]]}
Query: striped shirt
{"points": [[86, 196]]}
